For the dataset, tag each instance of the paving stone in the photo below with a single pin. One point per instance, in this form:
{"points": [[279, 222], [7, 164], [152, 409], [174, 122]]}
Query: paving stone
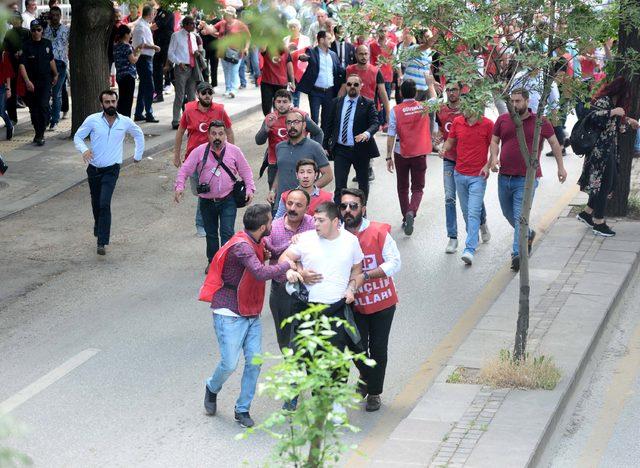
{"points": [[421, 429], [406, 451]]}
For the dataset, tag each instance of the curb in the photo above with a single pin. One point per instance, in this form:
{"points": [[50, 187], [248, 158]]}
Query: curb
{"points": [[154, 148]]}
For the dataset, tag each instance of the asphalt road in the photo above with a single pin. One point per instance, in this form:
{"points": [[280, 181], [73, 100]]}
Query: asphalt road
{"points": [[105, 358], [599, 427]]}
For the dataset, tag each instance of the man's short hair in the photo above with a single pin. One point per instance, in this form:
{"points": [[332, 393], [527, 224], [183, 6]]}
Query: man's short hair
{"points": [[355, 75], [521, 91], [255, 216], [296, 111], [147, 10], [408, 89], [321, 35], [306, 195], [329, 208], [108, 92], [307, 162], [355, 193], [282, 93], [216, 124], [55, 8]]}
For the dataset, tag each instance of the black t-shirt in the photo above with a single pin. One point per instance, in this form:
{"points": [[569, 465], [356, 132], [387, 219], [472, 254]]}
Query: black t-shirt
{"points": [[36, 58], [164, 20]]}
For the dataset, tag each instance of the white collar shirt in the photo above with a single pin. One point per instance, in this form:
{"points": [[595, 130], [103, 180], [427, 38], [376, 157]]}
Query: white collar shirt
{"points": [[178, 52], [142, 35]]}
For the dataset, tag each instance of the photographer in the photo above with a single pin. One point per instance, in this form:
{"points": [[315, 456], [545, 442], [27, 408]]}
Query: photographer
{"points": [[213, 162]]}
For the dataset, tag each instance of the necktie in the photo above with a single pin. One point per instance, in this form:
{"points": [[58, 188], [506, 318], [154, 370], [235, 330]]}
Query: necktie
{"points": [[345, 123], [192, 58]]}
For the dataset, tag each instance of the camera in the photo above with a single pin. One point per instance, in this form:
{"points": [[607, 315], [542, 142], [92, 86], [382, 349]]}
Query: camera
{"points": [[203, 188], [3, 166]]}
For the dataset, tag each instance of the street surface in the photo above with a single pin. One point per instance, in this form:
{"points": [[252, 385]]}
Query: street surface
{"points": [[599, 427], [105, 358]]}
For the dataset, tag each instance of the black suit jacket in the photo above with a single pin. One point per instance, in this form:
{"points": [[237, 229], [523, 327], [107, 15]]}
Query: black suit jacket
{"points": [[310, 76], [349, 51], [365, 119]]}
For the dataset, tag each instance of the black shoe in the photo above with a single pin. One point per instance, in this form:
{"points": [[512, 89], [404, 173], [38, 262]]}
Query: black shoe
{"points": [[515, 263], [550, 153], [532, 236], [373, 403], [175, 126], [138, 118], [39, 141], [355, 179], [101, 250], [151, 119], [361, 389], [9, 133], [585, 218], [290, 405], [206, 270], [372, 176], [210, 403], [244, 419], [603, 230], [243, 86], [408, 223], [158, 99]]}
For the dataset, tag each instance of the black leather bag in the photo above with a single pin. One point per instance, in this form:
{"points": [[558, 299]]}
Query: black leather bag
{"points": [[239, 187]]}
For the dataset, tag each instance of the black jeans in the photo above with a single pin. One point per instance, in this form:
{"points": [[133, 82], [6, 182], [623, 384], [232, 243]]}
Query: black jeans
{"points": [[282, 307], [318, 100], [102, 182], [344, 157], [39, 108], [212, 57], [126, 86], [217, 215], [598, 202], [12, 102], [267, 91], [374, 330]]}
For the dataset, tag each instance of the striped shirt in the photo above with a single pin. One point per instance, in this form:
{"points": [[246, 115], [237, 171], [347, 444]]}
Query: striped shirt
{"points": [[418, 66]]}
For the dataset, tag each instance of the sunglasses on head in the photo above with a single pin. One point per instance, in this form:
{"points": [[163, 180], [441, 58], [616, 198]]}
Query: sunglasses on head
{"points": [[354, 84], [207, 91], [351, 205]]}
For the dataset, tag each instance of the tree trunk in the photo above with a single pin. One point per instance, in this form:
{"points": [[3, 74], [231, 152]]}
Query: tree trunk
{"points": [[628, 41], [91, 24]]}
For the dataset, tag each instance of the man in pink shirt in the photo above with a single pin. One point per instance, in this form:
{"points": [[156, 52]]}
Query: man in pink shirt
{"points": [[215, 186]]}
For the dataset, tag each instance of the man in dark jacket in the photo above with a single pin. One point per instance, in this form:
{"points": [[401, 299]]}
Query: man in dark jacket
{"points": [[351, 125], [322, 79], [162, 28]]}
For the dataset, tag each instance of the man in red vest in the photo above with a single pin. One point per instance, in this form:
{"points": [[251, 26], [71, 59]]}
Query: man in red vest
{"points": [[274, 130], [235, 287], [307, 173], [375, 301], [410, 123]]}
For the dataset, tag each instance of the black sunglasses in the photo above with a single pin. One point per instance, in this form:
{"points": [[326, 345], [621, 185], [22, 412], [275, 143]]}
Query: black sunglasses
{"points": [[355, 85], [351, 205], [207, 91]]}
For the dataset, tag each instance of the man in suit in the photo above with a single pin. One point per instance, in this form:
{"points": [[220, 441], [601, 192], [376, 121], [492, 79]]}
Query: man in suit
{"points": [[349, 136], [322, 79], [344, 49]]}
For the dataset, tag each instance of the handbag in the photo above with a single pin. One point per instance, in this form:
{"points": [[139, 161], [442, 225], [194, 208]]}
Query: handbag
{"points": [[231, 55], [584, 135], [239, 191]]}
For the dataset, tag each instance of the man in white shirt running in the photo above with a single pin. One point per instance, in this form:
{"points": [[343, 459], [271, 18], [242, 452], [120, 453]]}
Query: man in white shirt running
{"points": [[107, 130]]}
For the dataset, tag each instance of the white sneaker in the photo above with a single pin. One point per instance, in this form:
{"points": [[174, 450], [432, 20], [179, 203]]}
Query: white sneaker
{"points": [[452, 246], [485, 235], [467, 258]]}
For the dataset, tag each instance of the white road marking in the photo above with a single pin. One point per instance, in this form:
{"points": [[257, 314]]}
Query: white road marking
{"points": [[45, 381]]}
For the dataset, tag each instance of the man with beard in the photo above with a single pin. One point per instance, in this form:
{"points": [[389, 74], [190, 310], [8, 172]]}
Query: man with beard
{"points": [[195, 121], [294, 222], [290, 151], [235, 288], [512, 168], [215, 185], [274, 130], [375, 302], [107, 130]]}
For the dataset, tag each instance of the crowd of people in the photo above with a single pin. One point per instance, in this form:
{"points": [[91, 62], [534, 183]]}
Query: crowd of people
{"points": [[326, 242]]}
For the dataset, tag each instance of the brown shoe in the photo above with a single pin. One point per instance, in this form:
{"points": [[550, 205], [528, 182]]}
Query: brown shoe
{"points": [[373, 403]]}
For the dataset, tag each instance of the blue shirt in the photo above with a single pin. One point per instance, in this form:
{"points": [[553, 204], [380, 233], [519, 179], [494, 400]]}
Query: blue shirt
{"points": [[107, 141], [418, 66], [349, 141], [325, 70], [121, 52]]}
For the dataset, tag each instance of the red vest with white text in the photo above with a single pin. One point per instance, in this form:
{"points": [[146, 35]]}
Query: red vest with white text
{"points": [[412, 127], [380, 293], [250, 292]]}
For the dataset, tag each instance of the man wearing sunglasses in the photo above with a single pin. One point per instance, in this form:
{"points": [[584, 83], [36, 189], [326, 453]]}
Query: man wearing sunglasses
{"points": [[39, 72], [375, 301], [349, 137], [195, 122]]}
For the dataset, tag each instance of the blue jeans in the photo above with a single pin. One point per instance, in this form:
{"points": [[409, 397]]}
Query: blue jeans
{"points": [[471, 195], [235, 335], [450, 200], [254, 64], [296, 98], [193, 182], [217, 215], [511, 195], [56, 92], [3, 106], [144, 66], [231, 78]]}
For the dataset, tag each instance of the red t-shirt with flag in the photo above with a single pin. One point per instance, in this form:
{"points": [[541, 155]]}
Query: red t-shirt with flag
{"points": [[445, 117], [275, 73], [197, 122], [277, 132]]}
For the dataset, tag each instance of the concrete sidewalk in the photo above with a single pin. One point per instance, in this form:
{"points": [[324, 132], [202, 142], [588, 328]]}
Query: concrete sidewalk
{"points": [[576, 279], [37, 173]]}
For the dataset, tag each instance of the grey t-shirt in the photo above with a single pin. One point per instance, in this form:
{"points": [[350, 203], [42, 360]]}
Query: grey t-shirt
{"points": [[287, 155]]}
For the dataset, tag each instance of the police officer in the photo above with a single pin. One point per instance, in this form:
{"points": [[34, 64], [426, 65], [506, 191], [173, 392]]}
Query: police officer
{"points": [[163, 28], [39, 72]]}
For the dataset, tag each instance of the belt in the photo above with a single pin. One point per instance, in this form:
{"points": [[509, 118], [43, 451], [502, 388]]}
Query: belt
{"points": [[230, 286], [509, 175], [345, 146], [321, 90]]}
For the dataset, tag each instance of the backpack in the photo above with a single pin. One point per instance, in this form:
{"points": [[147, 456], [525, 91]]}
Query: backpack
{"points": [[584, 136]]}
